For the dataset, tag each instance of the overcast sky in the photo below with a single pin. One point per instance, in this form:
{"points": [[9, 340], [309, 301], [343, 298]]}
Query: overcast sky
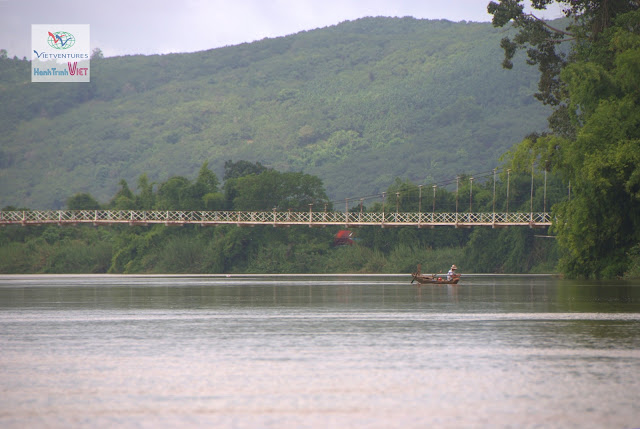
{"points": [[121, 27]]}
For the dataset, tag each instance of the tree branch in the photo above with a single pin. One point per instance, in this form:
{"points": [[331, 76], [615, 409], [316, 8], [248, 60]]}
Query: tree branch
{"points": [[550, 27]]}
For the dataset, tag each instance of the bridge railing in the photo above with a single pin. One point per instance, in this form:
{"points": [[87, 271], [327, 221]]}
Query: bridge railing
{"points": [[275, 218]]}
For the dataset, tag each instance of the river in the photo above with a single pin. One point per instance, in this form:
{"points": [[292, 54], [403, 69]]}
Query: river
{"points": [[318, 352]]}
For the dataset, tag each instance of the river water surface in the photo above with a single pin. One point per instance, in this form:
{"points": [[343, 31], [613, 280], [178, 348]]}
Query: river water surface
{"points": [[317, 352]]}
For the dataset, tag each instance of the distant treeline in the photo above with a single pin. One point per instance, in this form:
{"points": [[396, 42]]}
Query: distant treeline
{"points": [[230, 249]]}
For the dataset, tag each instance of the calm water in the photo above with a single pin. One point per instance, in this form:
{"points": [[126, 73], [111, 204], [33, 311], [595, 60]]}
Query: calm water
{"points": [[317, 352]]}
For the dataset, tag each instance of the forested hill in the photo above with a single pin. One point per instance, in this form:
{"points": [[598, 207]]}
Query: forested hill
{"points": [[356, 104]]}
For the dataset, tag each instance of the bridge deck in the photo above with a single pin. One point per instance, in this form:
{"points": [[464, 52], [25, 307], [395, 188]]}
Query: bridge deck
{"points": [[274, 218]]}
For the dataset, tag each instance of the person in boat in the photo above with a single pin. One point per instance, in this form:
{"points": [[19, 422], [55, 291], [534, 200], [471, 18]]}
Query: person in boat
{"points": [[452, 272]]}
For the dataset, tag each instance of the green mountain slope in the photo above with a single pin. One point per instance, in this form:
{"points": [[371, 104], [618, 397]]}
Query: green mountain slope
{"points": [[356, 104]]}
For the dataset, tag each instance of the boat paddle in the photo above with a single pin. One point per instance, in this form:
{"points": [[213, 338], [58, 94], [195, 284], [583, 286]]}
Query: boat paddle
{"points": [[417, 273]]}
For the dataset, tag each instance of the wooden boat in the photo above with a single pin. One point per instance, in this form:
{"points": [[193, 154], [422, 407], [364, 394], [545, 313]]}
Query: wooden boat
{"points": [[437, 279]]}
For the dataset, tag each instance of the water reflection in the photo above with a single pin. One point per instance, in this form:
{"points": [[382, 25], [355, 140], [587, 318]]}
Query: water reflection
{"points": [[481, 294], [317, 352]]}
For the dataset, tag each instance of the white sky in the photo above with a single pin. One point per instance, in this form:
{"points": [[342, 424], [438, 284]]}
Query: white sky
{"points": [[121, 27]]}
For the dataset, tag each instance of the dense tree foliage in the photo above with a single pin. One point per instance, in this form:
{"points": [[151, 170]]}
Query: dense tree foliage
{"points": [[372, 105], [233, 170], [82, 201], [272, 189], [229, 249], [597, 147], [356, 104]]}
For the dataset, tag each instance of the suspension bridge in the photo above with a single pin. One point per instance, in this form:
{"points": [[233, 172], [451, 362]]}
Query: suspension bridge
{"points": [[288, 218], [273, 218]]}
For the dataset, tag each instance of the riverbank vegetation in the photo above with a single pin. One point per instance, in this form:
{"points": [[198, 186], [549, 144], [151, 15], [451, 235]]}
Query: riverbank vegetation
{"points": [[264, 249], [590, 75]]}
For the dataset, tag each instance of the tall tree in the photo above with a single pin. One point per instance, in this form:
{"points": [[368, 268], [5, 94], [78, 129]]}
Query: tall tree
{"points": [[596, 141], [174, 195], [83, 201], [272, 189], [146, 198], [123, 199], [233, 170], [205, 189], [545, 43]]}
